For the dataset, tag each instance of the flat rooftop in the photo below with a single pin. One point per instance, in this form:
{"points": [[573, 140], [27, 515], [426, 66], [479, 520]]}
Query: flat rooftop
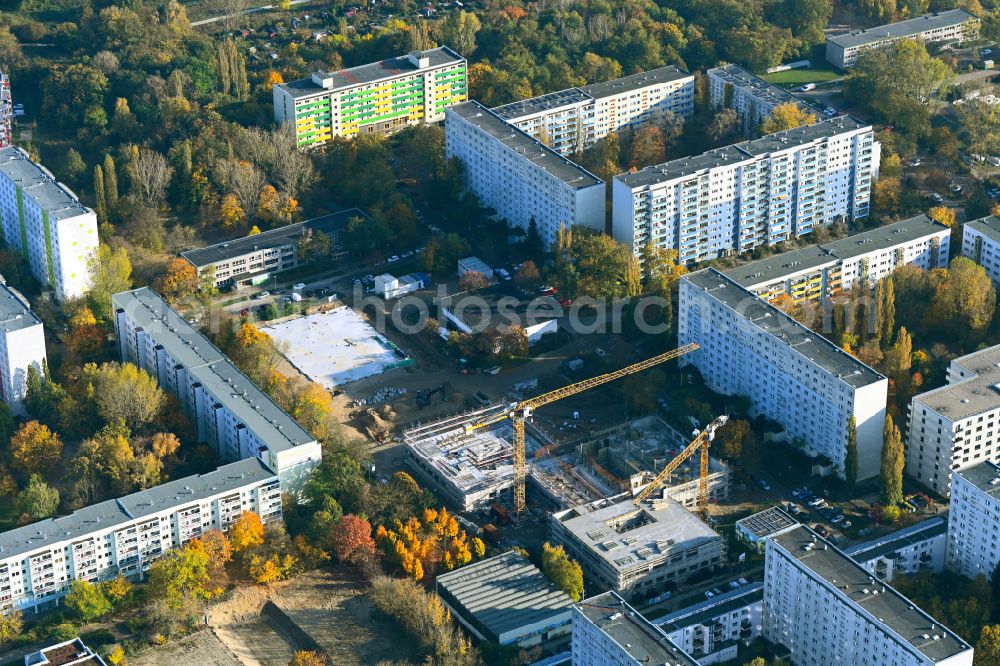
{"points": [[371, 72], [271, 239], [974, 395], [206, 364], [873, 597], [15, 315], [984, 476], [767, 522], [39, 185], [542, 104], [777, 324], [741, 152], [103, 515], [758, 87], [908, 28], [988, 226], [503, 593], [638, 637], [626, 536], [778, 266], [636, 81], [706, 611], [890, 543], [524, 145]]}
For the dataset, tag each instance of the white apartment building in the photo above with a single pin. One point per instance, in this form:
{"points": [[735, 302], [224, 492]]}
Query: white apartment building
{"points": [[920, 547], [22, 345], [791, 374], [957, 425], [571, 120], [981, 243], [827, 609], [711, 631], [953, 25], [818, 272], [38, 562], [974, 520], [607, 631], [751, 97], [760, 192], [231, 414], [44, 220], [521, 178]]}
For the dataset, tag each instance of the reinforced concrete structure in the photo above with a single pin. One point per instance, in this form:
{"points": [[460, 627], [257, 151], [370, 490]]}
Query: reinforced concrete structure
{"points": [[751, 97], [981, 243], [636, 550], [711, 631], [951, 25], [255, 259], [920, 547], [519, 177], [230, 412], [827, 609], [39, 562], [818, 272], [760, 192], [791, 374], [571, 120], [607, 631], [377, 98], [45, 222], [22, 346], [957, 425], [507, 600], [974, 520]]}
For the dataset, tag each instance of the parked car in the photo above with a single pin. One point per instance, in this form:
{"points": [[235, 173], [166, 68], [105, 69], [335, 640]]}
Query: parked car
{"points": [[822, 531], [993, 160], [807, 87], [299, 286], [393, 259], [816, 502], [763, 484], [709, 594], [261, 294]]}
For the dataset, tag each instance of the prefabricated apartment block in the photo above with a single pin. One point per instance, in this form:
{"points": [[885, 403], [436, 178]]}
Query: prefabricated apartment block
{"points": [[957, 425], [981, 243], [230, 412], [955, 25], [124, 536], [568, 121], [974, 520], [819, 272], [22, 346], [521, 178], [791, 374], [760, 192], [45, 222], [636, 549], [377, 98], [751, 97]]}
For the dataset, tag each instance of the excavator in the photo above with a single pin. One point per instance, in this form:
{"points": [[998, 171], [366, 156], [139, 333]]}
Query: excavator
{"points": [[519, 412]]}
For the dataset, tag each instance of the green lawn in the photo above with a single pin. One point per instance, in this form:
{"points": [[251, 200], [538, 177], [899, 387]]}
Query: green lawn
{"points": [[796, 77]]}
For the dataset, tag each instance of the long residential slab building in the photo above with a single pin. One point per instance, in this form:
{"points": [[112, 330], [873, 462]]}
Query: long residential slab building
{"points": [[826, 609], [953, 25], [974, 520], [819, 272], [39, 562], [230, 412], [751, 97], [44, 221], [521, 178], [22, 346], [981, 244], [957, 425], [376, 98], [571, 120], [760, 192], [790, 374]]}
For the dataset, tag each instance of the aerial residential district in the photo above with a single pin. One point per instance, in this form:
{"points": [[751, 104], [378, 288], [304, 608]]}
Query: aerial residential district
{"points": [[467, 333]]}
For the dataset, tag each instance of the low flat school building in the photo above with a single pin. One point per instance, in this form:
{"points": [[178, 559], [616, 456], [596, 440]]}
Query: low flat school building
{"points": [[229, 411], [376, 98], [124, 536], [955, 25]]}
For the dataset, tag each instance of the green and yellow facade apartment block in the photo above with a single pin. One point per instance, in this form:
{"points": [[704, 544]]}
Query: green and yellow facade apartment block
{"points": [[377, 98]]}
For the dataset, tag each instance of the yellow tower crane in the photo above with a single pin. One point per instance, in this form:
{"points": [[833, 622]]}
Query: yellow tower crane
{"points": [[519, 412], [702, 441]]}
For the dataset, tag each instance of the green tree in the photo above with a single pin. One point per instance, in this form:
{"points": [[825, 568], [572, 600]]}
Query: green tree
{"points": [[100, 205], [73, 166], [110, 273], [987, 651], [110, 183], [38, 500], [87, 600], [964, 300], [11, 626], [459, 31], [564, 572], [898, 358], [887, 311], [981, 122], [892, 463], [851, 455]]}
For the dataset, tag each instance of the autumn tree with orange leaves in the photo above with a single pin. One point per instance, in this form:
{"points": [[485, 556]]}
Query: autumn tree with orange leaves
{"points": [[428, 545]]}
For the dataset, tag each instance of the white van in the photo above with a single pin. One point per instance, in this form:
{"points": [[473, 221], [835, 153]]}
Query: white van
{"points": [[807, 87]]}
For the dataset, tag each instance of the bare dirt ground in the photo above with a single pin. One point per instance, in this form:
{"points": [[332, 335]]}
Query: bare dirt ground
{"points": [[203, 648]]}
